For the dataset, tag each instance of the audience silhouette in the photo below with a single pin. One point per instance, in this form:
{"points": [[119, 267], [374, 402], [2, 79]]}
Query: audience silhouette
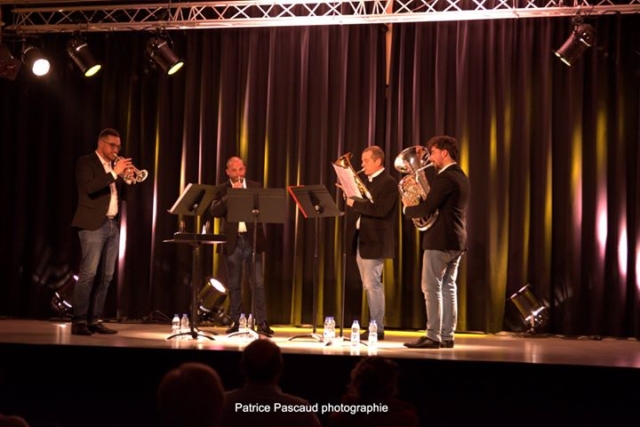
{"points": [[261, 401], [191, 395], [374, 385], [12, 421]]}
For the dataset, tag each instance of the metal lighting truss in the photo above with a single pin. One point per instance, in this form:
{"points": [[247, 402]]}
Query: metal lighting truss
{"points": [[30, 17]]}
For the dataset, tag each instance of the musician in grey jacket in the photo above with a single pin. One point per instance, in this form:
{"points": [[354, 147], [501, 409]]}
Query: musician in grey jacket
{"points": [[443, 243], [99, 179]]}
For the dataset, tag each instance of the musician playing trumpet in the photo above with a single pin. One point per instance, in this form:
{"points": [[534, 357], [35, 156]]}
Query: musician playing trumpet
{"points": [[374, 236], [99, 178], [443, 243]]}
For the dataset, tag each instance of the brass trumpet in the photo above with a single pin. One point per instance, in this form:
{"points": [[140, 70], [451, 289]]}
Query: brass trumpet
{"points": [[133, 173]]}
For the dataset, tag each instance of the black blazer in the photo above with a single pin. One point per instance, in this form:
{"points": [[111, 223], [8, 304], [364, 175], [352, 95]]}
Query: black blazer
{"points": [[93, 192], [218, 209], [378, 220], [449, 194]]}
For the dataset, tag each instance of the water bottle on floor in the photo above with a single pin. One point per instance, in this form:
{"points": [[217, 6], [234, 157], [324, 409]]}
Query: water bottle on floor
{"points": [[242, 323], [326, 332], [175, 325], [355, 333], [184, 325], [373, 334], [250, 322]]}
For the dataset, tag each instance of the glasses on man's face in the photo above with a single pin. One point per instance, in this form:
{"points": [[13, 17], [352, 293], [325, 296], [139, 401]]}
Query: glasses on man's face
{"points": [[112, 145]]}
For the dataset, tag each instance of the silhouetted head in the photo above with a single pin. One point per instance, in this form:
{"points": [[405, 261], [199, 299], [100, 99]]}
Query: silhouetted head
{"points": [[261, 362], [374, 378], [191, 395]]}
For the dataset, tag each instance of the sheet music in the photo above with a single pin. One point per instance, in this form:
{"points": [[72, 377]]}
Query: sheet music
{"points": [[347, 180]]}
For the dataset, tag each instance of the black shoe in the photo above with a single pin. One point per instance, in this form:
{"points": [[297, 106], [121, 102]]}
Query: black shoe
{"points": [[364, 337], [80, 329], [233, 328], [265, 329], [423, 342], [447, 344], [99, 328]]}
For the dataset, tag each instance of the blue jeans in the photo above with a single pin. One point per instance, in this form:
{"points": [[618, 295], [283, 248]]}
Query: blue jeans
{"points": [[236, 262], [371, 276], [97, 245], [439, 273]]}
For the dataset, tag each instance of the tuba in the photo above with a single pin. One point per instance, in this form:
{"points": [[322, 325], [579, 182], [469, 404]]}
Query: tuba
{"points": [[414, 187], [344, 162]]}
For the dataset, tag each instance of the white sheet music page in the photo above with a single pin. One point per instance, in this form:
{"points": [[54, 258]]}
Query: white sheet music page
{"points": [[347, 180]]}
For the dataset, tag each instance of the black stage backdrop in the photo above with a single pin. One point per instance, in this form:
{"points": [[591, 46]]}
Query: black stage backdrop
{"points": [[552, 153]]}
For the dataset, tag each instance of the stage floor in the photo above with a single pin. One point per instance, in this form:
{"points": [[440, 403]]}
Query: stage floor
{"points": [[502, 347], [58, 379]]}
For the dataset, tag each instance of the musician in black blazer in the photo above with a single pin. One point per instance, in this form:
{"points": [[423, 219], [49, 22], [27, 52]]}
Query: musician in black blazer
{"points": [[374, 238], [98, 177], [443, 243], [238, 250]]}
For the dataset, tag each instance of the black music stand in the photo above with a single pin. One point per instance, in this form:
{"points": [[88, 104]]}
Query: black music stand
{"points": [[258, 206], [314, 201], [194, 201]]}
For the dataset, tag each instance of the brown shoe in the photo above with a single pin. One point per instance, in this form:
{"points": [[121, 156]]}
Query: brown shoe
{"points": [[99, 328]]}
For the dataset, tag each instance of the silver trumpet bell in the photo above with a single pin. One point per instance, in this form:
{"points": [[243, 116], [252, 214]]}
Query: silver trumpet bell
{"points": [[414, 187], [134, 174]]}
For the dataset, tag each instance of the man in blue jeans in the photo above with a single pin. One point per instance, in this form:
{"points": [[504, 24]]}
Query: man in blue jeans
{"points": [[375, 234], [99, 178], [238, 251], [443, 243]]}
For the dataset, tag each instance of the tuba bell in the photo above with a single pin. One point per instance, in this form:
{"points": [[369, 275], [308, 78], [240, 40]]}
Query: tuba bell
{"points": [[344, 162], [414, 187]]}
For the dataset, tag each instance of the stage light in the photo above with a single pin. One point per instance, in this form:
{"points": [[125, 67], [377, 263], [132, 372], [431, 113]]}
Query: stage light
{"points": [[534, 314], [63, 297], [211, 300], [34, 59], [160, 51], [78, 50], [581, 38], [9, 66]]}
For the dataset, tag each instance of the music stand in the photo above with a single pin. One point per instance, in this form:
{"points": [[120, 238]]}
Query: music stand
{"points": [[194, 201], [255, 205], [314, 201]]}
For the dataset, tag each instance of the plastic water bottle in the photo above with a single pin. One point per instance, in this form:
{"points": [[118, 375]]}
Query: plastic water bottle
{"points": [[355, 334], [184, 324], [242, 323], [373, 334], [326, 332], [250, 322], [175, 325]]}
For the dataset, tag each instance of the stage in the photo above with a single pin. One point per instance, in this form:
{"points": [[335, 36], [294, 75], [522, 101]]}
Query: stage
{"points": [[51, 376]]}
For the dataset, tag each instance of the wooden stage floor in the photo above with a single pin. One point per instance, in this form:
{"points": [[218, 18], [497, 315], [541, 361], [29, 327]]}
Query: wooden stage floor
{"points": [[503, 347], [59, 379]]}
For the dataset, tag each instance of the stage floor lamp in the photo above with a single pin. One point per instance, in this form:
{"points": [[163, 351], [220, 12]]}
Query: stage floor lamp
{"points": [[534, 314], [211, 299]]}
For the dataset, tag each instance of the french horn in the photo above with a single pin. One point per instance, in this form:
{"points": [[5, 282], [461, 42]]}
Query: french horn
{"points": [[414, 187]]}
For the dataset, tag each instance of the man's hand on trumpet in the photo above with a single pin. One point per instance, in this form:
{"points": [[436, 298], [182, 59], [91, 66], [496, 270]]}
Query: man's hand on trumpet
{"points": [[123, 166]]}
